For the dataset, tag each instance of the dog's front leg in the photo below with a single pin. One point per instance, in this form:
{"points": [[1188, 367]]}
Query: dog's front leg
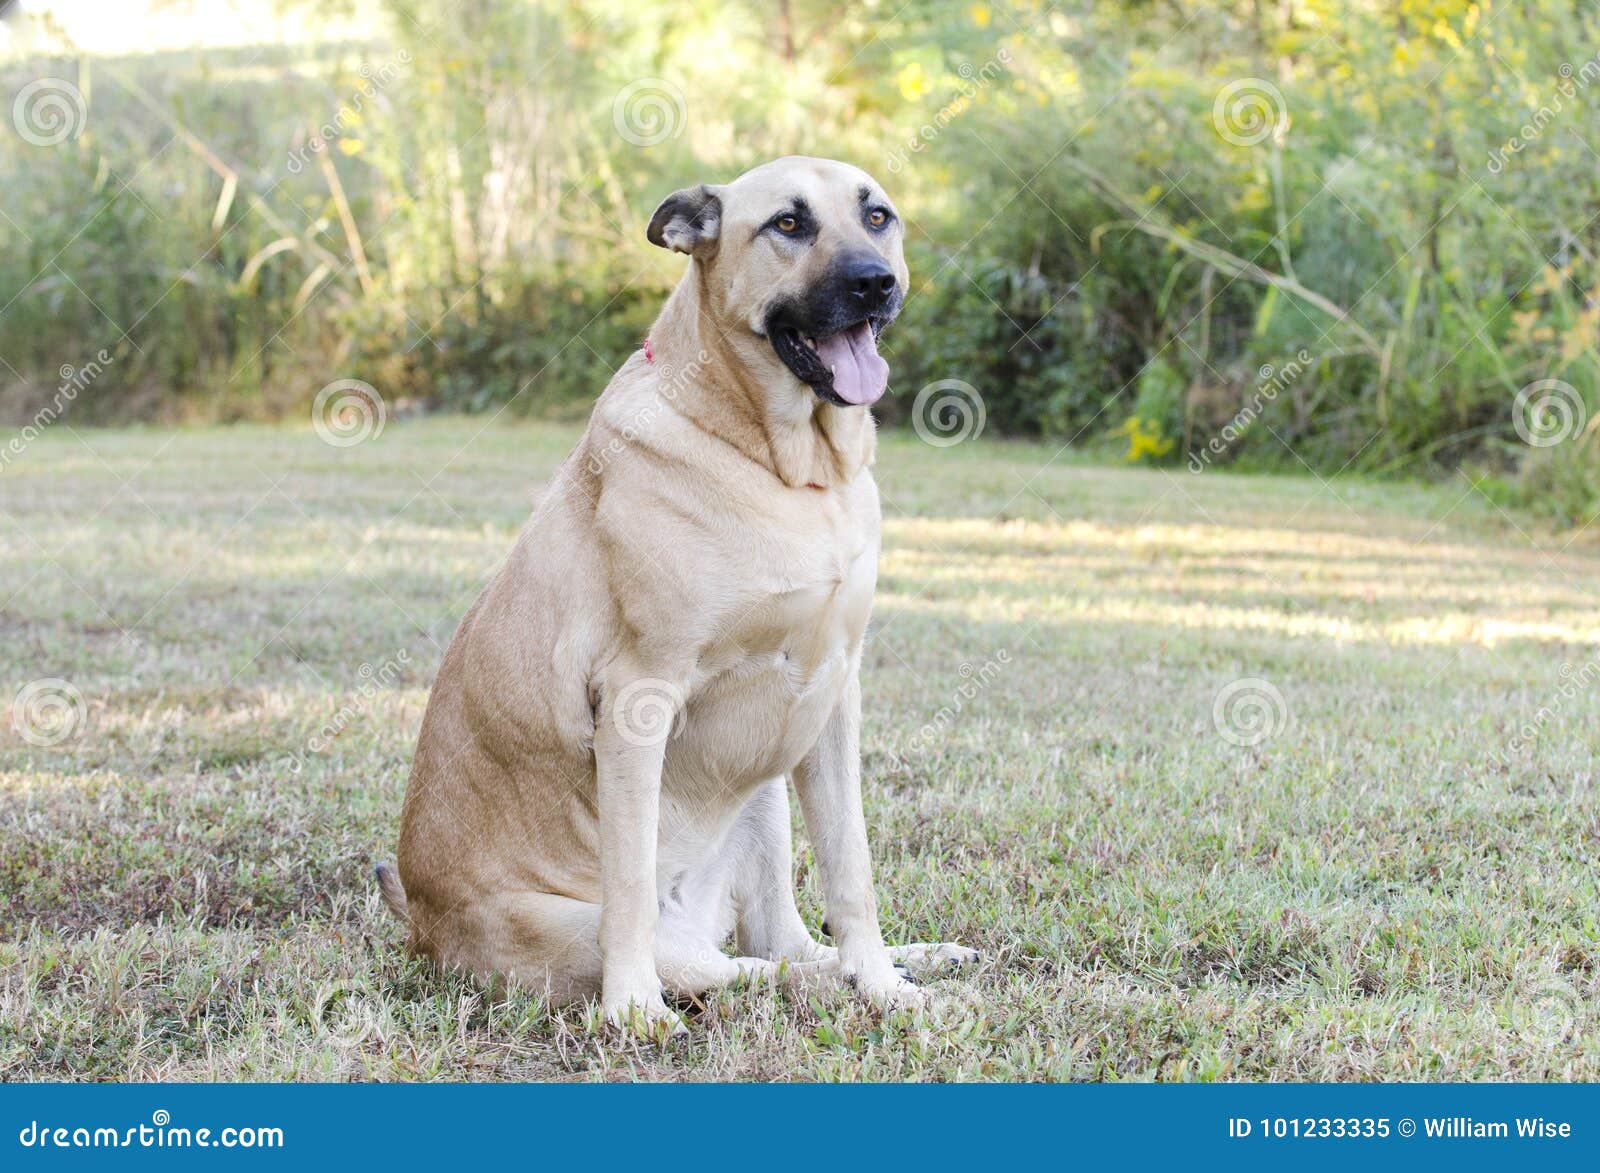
{"points": [[630, 740], [828, 781]]}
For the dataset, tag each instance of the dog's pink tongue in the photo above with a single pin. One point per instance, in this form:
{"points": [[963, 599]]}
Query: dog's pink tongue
{"points": [[859, 373]]}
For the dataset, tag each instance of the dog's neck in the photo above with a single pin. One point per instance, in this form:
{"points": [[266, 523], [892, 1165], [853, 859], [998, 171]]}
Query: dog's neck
{"points": [[786, 429]]}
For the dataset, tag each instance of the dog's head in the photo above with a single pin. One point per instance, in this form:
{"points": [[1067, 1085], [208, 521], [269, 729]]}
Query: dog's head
{"points": [[802, 263]]}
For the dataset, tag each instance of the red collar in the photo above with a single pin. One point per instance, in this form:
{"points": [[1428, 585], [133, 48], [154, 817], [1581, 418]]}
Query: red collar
{"points": [[649, 355]]}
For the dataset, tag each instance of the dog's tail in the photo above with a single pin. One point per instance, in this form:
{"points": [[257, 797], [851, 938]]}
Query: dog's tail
{"points": [[394, 894]]}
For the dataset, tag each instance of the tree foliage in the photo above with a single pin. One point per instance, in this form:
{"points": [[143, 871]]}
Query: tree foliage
{"points": [[1348, 236]]}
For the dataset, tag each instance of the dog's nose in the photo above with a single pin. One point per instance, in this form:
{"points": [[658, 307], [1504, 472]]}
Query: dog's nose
{"points": [[869, 281]]}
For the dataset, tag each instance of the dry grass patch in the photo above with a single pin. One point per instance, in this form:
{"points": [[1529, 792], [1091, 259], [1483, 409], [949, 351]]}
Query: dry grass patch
{"points": [[1229, 777]]}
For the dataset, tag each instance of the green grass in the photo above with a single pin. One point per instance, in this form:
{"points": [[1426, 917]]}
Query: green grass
{"points": [[1382, 888]]}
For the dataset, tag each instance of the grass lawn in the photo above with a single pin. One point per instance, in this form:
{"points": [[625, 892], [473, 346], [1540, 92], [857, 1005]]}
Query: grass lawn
{"points": [[1229, 777]]}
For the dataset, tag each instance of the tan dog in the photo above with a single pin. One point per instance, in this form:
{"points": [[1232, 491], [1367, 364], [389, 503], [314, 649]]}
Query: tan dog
{"points": [[598, 798]]}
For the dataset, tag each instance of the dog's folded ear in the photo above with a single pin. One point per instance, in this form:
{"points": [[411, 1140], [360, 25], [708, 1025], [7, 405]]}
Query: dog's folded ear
{"points": [[687, 220]]}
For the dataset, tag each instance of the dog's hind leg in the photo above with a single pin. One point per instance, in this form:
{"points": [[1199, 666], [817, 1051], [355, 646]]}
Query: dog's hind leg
{"points": [[928, 959], [548, 943], [745, 889], [689, 968], [690, 962], [760, 876]]}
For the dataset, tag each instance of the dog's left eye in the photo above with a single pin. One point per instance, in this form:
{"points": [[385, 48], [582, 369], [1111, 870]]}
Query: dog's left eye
{"points": [[787, 223], [878, 217]]}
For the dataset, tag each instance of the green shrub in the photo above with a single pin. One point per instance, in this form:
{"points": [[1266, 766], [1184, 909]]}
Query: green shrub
{"points": [[1362, 278]]}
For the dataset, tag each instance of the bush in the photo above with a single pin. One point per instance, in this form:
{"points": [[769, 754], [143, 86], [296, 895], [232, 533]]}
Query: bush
{"points": [[1264, 235]]}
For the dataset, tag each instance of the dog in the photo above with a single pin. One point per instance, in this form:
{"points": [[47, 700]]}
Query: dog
{"points": [[599, 797]]}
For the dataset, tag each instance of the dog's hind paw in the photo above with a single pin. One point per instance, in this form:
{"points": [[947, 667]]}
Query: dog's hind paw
{"points": [[927, 960]]}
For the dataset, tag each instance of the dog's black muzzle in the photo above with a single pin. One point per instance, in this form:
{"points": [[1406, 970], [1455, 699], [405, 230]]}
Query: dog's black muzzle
{"points": [[858, 287]]}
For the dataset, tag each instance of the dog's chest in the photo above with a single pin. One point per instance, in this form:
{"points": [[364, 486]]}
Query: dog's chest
{"points": [[784, 650], [805, 595]]}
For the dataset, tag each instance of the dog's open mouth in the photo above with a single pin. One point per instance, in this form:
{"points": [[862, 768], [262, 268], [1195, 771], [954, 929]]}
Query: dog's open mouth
{"points": [[843, 368]]}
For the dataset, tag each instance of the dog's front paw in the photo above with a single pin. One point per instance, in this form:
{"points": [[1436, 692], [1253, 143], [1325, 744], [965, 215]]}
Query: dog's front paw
{"points": [[648, 1017], [888, 988]]}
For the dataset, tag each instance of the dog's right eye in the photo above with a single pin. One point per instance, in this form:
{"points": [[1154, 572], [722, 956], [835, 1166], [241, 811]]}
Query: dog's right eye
{"points": [[787, 223]]}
